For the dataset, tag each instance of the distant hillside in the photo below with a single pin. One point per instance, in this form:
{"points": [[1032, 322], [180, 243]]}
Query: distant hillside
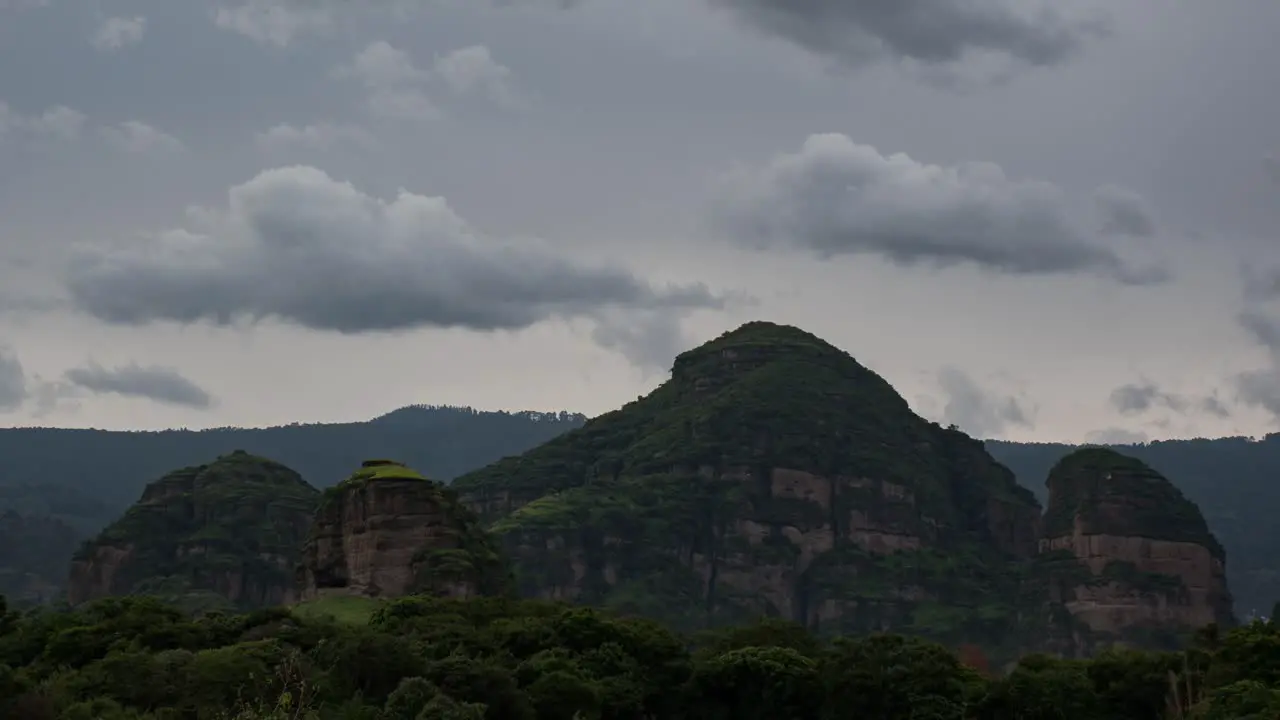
{"points": [[112, 467], [1235, 481]]}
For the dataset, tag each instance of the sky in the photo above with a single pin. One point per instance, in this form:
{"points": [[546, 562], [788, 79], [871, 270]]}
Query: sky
{"points": [[1038, 220]]}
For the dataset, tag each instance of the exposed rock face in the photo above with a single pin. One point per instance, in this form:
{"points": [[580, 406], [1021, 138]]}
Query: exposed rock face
{"points": [[228, 532], [771, 475], [1146, 568], [387, 531]]}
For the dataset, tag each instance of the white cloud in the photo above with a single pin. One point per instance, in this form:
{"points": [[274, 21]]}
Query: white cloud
{"points": [[270, 22], [134, 136], [393, 82], [58, 123], [836, 197], [318, 136], [473, 70], [976, 410], [118, 32]]}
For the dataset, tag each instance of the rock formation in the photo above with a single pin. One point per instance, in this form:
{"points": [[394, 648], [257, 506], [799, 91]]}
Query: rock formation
{"points": [[771, 475], [387, 531], [1135, 561], [226, 532]]}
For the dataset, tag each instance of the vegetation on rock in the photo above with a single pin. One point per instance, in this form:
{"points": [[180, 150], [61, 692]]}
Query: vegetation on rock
{"points": [[1232, 482], [230, 531], [771, 475], [422, 658], [388, 531]]}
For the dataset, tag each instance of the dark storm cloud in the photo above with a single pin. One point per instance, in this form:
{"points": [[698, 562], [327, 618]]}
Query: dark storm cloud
{"points": [[1123, 212], [160, 384], [297, 245], [835, 197], [931, 32], [976, 410], [1141, 397]]}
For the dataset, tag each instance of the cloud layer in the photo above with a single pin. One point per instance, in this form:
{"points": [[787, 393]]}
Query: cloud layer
{"points": [[836, 197], [297, 245]]}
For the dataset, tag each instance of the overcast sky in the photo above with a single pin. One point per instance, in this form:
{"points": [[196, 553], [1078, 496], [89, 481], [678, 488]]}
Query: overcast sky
{"points": [[1052, 221]]}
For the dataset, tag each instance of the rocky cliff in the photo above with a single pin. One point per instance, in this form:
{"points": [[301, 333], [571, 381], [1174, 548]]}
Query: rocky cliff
{"points": [[228, 532], [771, 475], [387, 531], [1136, 563]]}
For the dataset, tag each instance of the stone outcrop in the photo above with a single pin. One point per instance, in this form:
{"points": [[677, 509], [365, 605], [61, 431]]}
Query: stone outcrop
{"points": [[1135, 561], [771, 475], [228, 532], [387, 532]]}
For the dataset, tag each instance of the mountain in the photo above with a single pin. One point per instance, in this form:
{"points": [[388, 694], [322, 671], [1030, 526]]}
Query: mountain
{"points": [[227, 531], [110, 467], [1234, 481], [771, 475], [387, 531], [1134, 560], [33, 556]]}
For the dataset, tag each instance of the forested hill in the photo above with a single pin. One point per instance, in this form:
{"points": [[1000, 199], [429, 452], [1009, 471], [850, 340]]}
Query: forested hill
{"points": [[112, 466], [1235, 481]]}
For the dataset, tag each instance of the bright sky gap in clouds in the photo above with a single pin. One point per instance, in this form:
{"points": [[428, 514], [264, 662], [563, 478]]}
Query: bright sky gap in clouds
{"points": [[1038, 220]]}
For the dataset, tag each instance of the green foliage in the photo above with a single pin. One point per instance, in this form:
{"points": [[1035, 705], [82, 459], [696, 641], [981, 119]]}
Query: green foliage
{"points": [[430, 658], [231, 528]]}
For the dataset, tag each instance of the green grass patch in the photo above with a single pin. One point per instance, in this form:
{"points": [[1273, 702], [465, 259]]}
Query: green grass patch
{"points": [[346, 609]]}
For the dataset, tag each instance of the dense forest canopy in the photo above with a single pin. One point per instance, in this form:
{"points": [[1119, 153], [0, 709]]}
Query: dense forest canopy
{"points": [[421, 658]]}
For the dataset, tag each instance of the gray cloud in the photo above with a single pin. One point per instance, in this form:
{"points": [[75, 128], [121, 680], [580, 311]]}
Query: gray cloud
{"points": [[1117, 436], [118, 32], [836, 197], [13, 381], [1271, 164], [160, 384], [1261, 388], [976, 410], [929, 32], [274, 22], [300, 246], [1141, 397], [1123, 212], [1260, 283]]}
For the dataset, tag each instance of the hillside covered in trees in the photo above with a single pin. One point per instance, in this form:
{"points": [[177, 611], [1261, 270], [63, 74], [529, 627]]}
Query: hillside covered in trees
{"points": [[422, 658]]}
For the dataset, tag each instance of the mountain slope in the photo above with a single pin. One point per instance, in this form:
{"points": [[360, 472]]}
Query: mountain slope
{"points": [[772, 474]]}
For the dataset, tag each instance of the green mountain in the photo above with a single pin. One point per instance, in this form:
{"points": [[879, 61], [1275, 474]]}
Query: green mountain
{"points": [[1235, 482], [771, 475], [110, 467], [226, 532]]}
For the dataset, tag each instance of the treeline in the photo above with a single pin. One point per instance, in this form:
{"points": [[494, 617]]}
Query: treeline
{"points": [[499, 659], [111, 467]]}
